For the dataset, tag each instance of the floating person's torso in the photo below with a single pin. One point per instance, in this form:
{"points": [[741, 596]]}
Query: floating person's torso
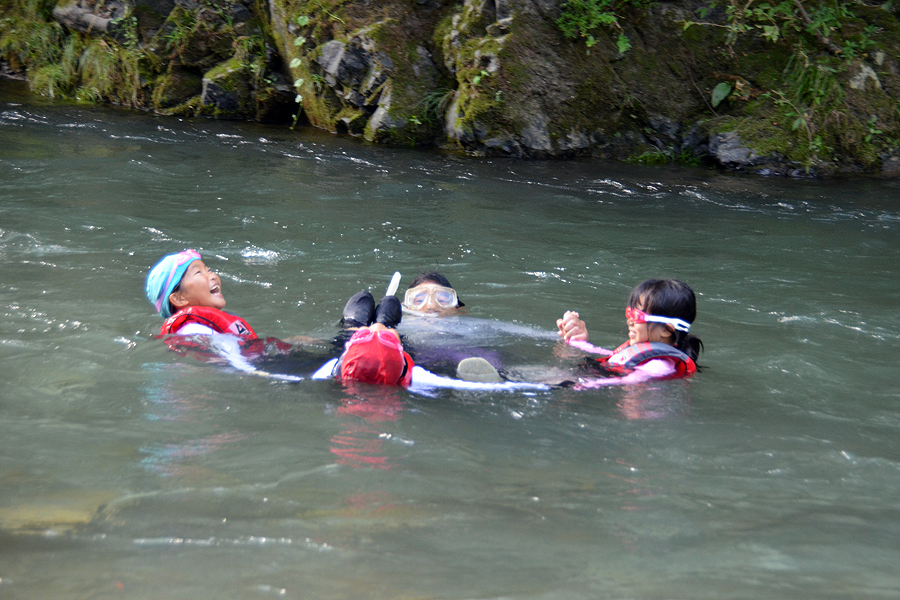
{"points": [[439, 343]]}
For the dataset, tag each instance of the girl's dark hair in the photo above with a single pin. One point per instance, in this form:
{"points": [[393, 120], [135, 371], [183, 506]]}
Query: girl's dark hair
{"points": [[669, 298], [434, 277]]}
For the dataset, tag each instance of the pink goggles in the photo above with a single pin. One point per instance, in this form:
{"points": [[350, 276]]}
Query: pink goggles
{"points": [[636, 315]]}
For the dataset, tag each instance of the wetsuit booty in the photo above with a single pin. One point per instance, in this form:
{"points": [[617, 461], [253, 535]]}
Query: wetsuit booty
{"points": [[359, 311], [389, 312]]}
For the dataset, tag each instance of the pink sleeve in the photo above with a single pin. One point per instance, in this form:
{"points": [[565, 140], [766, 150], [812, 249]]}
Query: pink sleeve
{"points": [[658, 368], [588, 347]]}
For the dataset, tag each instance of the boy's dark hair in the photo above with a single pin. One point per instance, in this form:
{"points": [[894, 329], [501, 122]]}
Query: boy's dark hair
{"points": [[669, 298], [434, 277]]}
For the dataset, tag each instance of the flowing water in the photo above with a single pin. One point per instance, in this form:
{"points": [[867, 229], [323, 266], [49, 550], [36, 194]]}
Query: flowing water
{"points": [[130, 471]]}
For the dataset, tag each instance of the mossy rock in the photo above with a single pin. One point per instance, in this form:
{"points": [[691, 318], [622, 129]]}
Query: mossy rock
{"points": [[274, 103], [176, 87], [226, 87]]}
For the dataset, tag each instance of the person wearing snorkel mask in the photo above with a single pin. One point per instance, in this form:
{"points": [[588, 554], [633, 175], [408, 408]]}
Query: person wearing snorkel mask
{"points": [[429, 293], [432, 293]]}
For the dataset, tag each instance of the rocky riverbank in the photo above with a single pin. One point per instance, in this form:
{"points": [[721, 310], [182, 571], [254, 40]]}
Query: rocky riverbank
{"points": [[810, 90]]}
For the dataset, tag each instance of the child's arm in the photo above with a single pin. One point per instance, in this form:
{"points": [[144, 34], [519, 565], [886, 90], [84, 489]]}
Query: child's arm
{"points": [[589, 347], [658, 368], [572, 328]]}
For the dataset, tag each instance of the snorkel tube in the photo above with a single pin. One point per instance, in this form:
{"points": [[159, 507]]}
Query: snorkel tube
{"points": [[395, 283]]}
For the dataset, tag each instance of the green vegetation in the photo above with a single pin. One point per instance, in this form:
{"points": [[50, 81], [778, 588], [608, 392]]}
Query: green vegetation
{"points": [[57, 79], [828, 44], [299, 41], [433, 106], [477, 79], [802, 82], [665, 157], [774, 22], [29, 35], [130, 63], [584, 18], [181, 26], [69, 64]]}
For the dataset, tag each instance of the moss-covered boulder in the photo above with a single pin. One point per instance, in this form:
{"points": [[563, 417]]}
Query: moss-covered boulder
{"points": [[184, 57], [175, 87], [364, 69]]}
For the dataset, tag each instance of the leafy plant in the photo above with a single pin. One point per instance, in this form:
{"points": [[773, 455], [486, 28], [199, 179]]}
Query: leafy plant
{"points": [[59, 78], [658, 156], [98, 65], [802, 117], [873, 131], [182, 23], [250, 52], [825, 40], [299, 41], [719, 93], [584, 18], [30, 41], [434, 105], [129, 31], [773, 22]]}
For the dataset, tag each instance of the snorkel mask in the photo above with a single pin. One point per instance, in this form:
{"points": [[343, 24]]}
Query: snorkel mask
{"points": [[419, 297]]}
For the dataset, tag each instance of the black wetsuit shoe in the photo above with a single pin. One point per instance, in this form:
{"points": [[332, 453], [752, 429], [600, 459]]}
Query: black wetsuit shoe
{"points": [[389, 312], [359, 311]]}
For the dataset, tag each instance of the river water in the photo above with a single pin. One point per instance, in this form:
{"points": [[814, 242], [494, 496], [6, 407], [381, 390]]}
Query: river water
{"points": [[130, 471]]}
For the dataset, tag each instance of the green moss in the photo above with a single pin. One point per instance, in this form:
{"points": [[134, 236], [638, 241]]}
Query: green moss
{"points": [[225, 72], [175, 87], [27, 41], [59, 79], [765, 131], [192, 108], [441, 36]]}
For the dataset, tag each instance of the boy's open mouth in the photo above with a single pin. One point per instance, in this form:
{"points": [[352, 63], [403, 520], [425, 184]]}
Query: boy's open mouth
{"points": [[214, 289]]}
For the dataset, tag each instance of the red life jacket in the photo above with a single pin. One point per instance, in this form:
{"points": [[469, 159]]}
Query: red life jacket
{"points": [[215, 319], [251, 347], [627, 357]]}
